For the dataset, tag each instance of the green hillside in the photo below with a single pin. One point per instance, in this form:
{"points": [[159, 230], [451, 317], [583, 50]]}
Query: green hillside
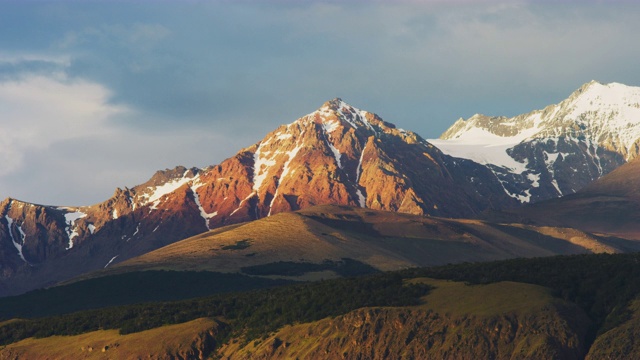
{"points": [[573, 301]]}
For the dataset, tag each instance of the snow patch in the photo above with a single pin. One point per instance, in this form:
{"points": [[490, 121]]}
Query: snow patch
{"points": [[550, 159], [206, 216], [330, 126], [71, 228], [158, 192], [284, 136], [132, 203], [261, 166], [336, 154], [110, 261], [361, 198], [535, 179], [484, 148], [524, 198], [242, 202], [285, 171], [354, 116], [359, 168], [290, 154], [17, 245]]}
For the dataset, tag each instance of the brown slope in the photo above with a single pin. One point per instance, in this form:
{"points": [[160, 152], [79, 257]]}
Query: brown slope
{"points": [[610, 205], [384, 240]]}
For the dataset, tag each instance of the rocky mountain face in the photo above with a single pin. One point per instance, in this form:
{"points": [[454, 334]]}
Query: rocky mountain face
{"points": [[555, 151], [337, 154]]}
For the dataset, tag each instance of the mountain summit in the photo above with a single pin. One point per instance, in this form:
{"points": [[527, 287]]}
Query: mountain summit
{"points": [[557, 150], [337, 154]]}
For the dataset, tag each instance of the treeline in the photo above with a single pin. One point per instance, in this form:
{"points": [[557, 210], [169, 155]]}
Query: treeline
{"points": [[128, 288], [254, 313], [602, 284], [345, 267]]}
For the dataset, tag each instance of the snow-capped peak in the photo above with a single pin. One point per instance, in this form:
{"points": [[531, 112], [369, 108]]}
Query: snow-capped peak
{"points": [[607, 114], [336, 112], [597, 119]]}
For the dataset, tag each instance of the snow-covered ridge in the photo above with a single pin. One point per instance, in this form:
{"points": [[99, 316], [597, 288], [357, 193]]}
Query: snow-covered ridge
{"points": [[155, 194], [598, 116], [607, 114]]}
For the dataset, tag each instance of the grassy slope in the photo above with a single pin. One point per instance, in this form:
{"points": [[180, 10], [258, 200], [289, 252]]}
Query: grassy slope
{"points": [[190, 339], [384, 240], [602, 285], [506, 297], [448, 304]]}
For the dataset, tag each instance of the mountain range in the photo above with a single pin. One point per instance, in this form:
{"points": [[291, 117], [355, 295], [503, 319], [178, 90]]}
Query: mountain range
{"points": [[338, 155]]}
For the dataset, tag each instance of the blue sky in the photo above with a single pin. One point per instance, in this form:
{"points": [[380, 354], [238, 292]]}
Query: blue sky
{"points": [[96, 95]]}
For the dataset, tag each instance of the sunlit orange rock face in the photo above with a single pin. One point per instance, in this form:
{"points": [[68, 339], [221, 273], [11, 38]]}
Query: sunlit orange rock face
{"points": [[335, 155]]}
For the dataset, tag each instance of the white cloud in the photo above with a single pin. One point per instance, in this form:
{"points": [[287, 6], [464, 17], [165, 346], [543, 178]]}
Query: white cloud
{"points": [[38, 111], [60, 142]]}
